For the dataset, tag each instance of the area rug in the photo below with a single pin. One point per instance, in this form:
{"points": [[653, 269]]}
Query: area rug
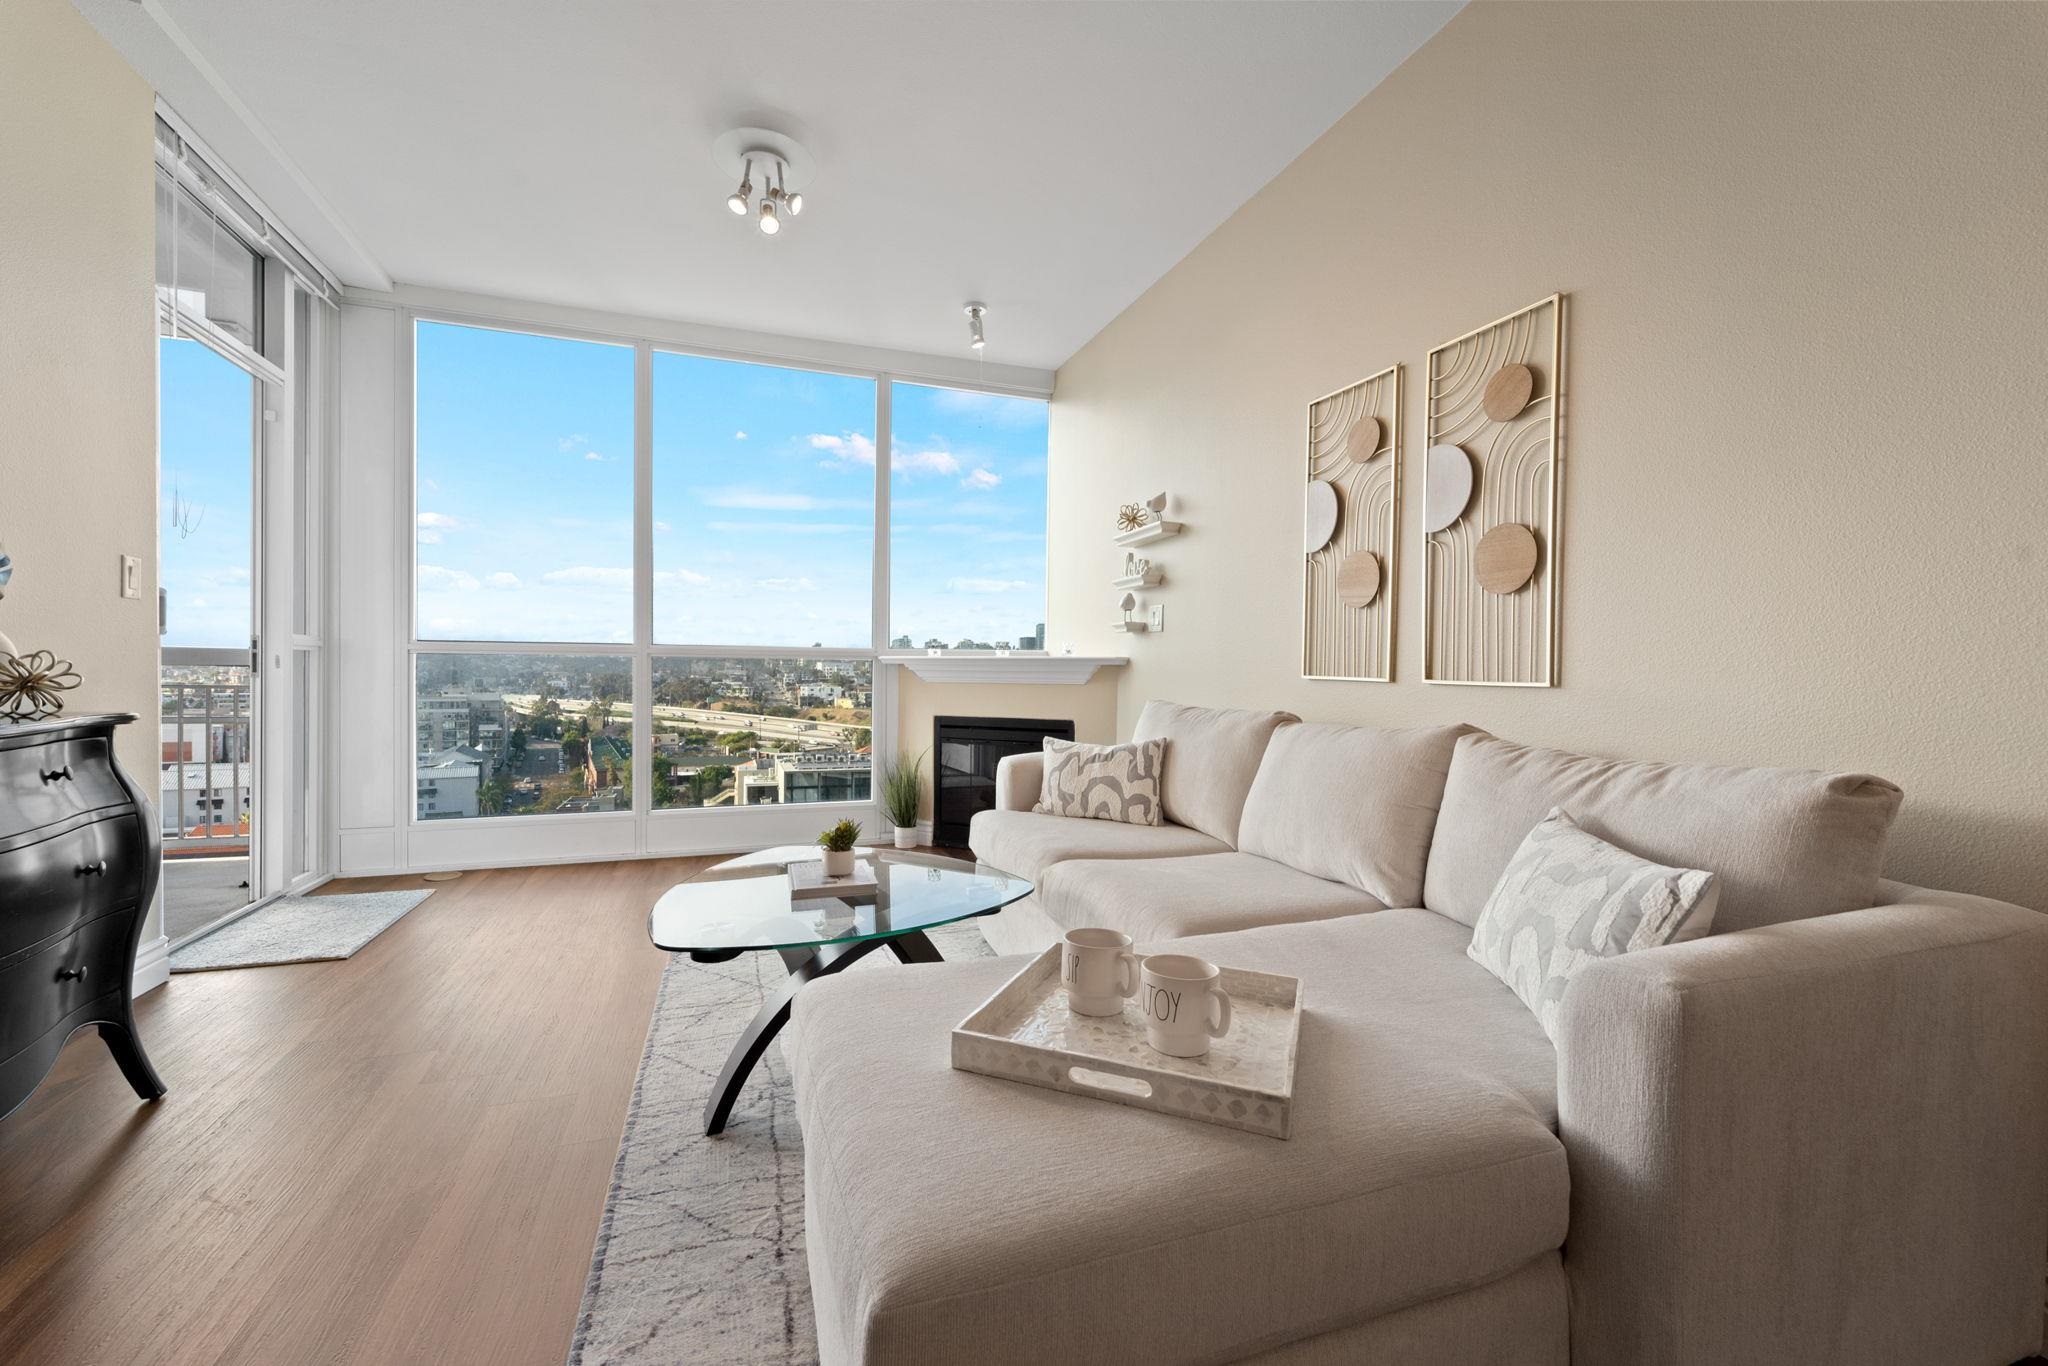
{"points": [[700, 1256], [298, 929]]}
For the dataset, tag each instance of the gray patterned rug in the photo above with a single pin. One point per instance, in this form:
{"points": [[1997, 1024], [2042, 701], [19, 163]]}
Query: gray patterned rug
{"points": [[700, 1257], [298, 929]]}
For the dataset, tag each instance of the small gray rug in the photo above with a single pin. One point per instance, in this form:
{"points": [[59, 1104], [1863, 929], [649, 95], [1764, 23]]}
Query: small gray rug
{"points": [[700, 1257], [298, 929]]}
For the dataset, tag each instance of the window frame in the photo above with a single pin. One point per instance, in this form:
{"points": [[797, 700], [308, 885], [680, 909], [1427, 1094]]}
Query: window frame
{"points": [[654, 831]]}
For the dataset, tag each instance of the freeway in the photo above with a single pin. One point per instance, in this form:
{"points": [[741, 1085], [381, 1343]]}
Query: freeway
{"points": [[822, 734]]}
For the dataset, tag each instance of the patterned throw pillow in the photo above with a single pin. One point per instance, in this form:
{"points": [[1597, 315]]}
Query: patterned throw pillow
{"points": [[1568, 898], [1103, 782]]}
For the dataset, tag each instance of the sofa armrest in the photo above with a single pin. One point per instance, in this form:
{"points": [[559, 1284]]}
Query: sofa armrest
{"points": [[1019, 780], [1824, 1141]]}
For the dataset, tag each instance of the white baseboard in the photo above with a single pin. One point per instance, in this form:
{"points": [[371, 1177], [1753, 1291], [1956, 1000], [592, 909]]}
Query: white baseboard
{"points": [[152, 964]]}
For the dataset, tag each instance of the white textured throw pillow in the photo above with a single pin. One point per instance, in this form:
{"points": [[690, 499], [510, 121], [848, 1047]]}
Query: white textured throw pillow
{"points": [[1103, 782], [1568, 898]]}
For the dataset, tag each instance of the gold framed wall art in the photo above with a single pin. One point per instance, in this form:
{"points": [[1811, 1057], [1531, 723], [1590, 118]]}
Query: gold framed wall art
{"points": [[1351, 518], [1493, 476]]}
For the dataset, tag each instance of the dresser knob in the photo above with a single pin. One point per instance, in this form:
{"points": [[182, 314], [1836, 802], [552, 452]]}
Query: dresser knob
{"points": [[57, 775], [76, 974], [89, 869]]}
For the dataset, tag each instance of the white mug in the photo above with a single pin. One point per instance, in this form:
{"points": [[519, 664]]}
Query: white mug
{"points": [[1098, 970], [1184, 1004]]}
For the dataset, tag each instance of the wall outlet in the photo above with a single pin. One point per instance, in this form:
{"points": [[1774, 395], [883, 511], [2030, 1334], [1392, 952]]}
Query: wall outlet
{"points": [[1155, 617], [131, 576]]}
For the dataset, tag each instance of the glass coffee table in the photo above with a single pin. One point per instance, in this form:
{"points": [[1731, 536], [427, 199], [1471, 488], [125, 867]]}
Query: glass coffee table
{"points": [[743, 906]]}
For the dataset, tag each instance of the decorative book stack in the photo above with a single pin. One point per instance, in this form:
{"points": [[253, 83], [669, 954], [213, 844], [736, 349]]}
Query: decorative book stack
{"points": [[807, 882]]}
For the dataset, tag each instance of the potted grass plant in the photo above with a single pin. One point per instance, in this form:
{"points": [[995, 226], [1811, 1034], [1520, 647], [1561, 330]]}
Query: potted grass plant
{"points": [[837, 844], [902, 795]]}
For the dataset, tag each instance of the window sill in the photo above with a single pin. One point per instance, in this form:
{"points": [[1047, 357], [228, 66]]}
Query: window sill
{"points": [[976, 666]]}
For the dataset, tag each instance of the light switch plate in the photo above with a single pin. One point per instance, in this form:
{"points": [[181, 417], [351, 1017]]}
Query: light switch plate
{"points": [[131, 576], [1155, 617]]}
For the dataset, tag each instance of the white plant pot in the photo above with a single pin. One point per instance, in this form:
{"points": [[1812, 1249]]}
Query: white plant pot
{"points": [[906, 837], [838, 863]]}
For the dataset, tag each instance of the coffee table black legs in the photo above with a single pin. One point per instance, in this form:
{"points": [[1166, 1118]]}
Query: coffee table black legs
{"points": [[804, 966]]}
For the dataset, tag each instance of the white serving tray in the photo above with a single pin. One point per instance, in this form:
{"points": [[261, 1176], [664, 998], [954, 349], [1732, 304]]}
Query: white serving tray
{"points": [[1246, 1081]]}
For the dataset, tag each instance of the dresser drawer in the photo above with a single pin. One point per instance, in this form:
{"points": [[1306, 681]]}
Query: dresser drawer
{"points": [[58, 880], [50, 782], [39, 991]]}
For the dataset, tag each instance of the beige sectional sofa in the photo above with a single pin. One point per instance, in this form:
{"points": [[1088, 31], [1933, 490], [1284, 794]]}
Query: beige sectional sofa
{"points": [[1816, 1135]]}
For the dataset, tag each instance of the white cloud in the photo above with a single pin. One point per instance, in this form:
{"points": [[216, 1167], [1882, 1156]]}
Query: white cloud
{"points": [[981, 480], [786, 585], [851, 449], [682, 578], [988, 585], [570, 443], [663, 526], [739, 436], [593, 455], [501, 579], [434, 577], [934, 461], [439, 521]]}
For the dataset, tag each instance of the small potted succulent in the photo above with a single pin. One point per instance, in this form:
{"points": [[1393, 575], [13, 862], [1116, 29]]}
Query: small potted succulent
{"points": [[838, 845], [902, 795]]}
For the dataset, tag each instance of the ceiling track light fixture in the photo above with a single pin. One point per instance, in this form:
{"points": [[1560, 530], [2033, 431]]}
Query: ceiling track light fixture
{"points": [[783, 164], [975, 336]]}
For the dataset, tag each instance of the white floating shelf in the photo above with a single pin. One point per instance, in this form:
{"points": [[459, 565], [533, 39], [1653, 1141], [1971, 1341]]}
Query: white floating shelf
{"points": [[986, 666], [1151, 578], [1148, 533], [1134, 628]]}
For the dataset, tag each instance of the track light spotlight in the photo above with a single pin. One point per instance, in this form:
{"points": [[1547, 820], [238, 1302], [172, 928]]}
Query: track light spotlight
{"points": [[737, 200], [770, 224], [975, 337]]}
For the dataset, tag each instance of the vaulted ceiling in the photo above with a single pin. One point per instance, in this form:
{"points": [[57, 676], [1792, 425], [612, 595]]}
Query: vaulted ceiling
{"points": [[1051, 159]]}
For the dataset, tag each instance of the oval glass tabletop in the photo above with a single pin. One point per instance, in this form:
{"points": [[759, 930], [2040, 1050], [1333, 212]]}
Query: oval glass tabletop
{"points": [[744, 903]]}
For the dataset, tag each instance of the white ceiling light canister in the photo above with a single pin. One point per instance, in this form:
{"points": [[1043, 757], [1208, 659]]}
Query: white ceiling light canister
{"points": [[784, 165], [976, 338]]}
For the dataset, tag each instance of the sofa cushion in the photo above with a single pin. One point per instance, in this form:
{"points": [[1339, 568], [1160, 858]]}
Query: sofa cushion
{"points": [[1102, 782], [1569, 899], [952, 1217], [1351, 803], [1784, 843], [1158, 899], [1212, 755], [1028, 842]]}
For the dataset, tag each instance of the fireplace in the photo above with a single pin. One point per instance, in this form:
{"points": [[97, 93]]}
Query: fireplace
{"points": [[965, 751]]}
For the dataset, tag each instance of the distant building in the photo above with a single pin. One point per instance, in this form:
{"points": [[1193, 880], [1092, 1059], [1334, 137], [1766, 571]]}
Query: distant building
{"points": [[819, 775], [1033, 642], [448, 781], [204, 800], [900, 643], [459, 720]]}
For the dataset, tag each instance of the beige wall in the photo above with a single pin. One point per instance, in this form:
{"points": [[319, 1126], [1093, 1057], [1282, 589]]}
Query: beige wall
{"points": [[1091, 706], [78, 362], [1805, 495]]}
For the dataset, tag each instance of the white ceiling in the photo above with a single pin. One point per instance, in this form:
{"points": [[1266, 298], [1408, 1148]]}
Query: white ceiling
{"points": [[1050, 159]]}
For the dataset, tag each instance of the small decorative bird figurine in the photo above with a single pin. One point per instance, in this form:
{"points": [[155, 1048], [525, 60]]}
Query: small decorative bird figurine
{"points": [[1157, 504]]}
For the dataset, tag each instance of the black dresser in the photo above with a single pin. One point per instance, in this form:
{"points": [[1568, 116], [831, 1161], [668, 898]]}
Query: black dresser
{"points": [[78, 866]]}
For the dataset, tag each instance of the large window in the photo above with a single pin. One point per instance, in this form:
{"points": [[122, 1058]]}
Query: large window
{"points": [[966, 520], [755, 732], [522, 734], [741, 594], [525, 497], [764, 504]]}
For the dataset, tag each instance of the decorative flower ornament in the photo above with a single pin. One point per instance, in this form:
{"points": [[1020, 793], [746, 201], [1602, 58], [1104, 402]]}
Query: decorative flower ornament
{"points": [[1130, 517], [32, 686]]}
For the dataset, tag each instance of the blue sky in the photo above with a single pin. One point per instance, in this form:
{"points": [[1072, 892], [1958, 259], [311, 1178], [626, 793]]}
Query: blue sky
{"points": [[206, 421], [763, 499]]}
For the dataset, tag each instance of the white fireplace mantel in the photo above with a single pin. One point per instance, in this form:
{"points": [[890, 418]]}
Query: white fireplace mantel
{"points": [[986, 666]]}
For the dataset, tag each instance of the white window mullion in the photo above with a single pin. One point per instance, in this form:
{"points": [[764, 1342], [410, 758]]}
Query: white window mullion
{"points": [[643, 590]]}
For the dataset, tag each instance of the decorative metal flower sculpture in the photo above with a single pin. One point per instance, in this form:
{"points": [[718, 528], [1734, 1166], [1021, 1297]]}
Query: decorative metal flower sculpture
{"points": [[1130, 517], [33, 685]]}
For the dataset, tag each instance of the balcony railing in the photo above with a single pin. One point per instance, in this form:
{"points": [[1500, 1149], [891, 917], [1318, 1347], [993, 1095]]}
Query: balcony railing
{"points": [[207, 783]]}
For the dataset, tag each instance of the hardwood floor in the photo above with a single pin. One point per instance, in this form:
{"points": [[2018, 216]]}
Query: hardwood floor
{"points": [[400, 1157]]}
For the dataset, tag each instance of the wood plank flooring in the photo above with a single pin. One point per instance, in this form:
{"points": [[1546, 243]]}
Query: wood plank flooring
{"points": [[397, 1158]]}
